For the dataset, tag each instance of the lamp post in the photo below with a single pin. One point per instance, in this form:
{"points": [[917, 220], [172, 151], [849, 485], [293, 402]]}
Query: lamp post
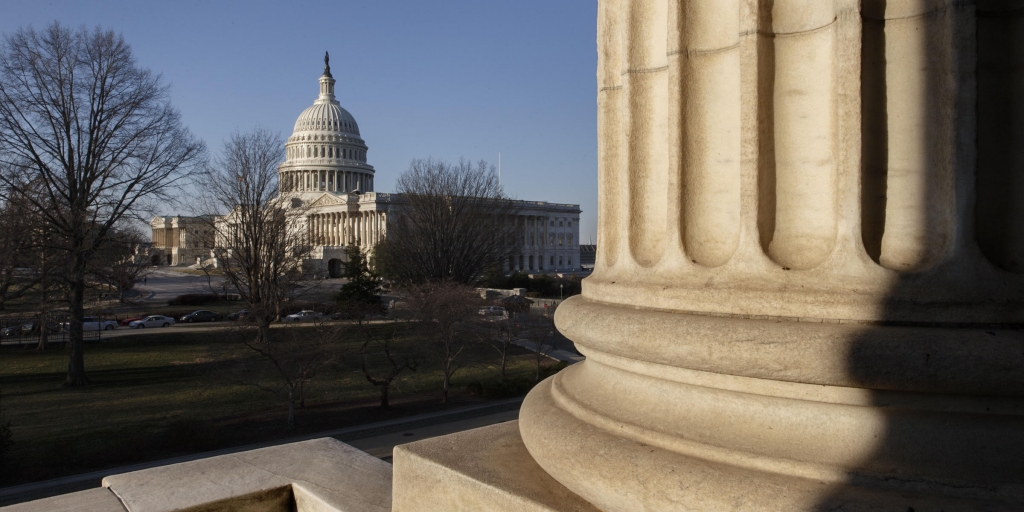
{"points": [[560, 291]]}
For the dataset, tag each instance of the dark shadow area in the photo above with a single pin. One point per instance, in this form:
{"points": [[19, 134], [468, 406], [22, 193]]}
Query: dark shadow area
{"points": [[1001, 134], [874, 128], [950, 389], [765, 125]]}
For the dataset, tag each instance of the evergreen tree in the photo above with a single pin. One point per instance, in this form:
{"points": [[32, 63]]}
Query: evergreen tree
{"points": [[361, 295]]}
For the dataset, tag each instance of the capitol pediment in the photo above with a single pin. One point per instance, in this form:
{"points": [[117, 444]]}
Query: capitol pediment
{"points": [[327, 200]]}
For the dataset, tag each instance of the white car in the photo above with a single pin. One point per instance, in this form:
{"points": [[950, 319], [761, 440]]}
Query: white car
{"points": [[152, 321], [94, 323], [305, 315]]}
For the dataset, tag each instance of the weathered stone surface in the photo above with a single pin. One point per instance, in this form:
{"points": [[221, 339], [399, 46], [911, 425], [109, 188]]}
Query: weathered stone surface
{"points": [[93, 500], [477, 470], [317, 475]]}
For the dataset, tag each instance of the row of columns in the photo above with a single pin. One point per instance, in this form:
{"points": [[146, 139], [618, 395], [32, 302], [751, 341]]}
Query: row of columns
{"points": [[536, 261], [327, 181], [343, 228], [538, 233], [326, 151]]}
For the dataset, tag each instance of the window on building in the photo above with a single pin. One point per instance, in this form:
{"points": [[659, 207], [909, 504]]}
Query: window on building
{"points": [[570, 261], [560, 240], [552, 223], [551, 238], [560, 224], [569, 239], [570, 223], [552, 261]]}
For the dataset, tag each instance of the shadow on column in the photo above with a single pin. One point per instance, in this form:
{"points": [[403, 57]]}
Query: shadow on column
{"points": [[945, 367]]}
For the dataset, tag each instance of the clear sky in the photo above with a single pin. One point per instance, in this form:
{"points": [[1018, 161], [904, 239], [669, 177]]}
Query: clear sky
{"points": [[423, 78]]}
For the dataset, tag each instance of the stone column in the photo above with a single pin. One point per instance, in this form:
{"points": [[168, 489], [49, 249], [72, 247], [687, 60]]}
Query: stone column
{"points": [[808, 292]]}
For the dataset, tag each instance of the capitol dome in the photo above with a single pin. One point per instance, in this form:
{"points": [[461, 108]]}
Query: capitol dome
{"points": [[325, 152], [327, 117]]}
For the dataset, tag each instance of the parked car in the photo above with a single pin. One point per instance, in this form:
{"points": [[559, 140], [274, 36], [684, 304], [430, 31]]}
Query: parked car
{"points": [[152, 321], [94, 323], [239, 316], [13, 331], [492, 310], [131, 319], [202, 316], [305, 315], [28, 328]]}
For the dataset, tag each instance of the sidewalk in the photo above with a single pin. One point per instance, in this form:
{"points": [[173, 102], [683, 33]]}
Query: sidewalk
{"points": [[557, 354], [377, 439]]}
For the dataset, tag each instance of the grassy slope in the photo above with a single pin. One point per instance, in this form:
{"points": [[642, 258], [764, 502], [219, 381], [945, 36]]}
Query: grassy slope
{"points": [[163, 395]]}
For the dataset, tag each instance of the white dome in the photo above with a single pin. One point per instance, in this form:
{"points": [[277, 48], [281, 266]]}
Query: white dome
{"points": [[326, 117]]}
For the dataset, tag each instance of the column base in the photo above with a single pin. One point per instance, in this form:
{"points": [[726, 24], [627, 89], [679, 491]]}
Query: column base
{"points": [[481, 470], [618, 473]]}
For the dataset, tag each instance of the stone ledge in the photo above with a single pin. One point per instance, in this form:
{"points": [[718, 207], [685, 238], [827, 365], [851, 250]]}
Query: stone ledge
{"points": [[480, 470], [319, 475]]}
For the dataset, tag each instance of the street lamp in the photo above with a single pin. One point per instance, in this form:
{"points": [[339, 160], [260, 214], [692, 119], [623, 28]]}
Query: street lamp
{"points": [[560, 292]]}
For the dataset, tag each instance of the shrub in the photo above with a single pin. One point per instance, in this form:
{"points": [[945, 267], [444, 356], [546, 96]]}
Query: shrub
{"points": [[192, 299], [508, 388], [498, 389]]}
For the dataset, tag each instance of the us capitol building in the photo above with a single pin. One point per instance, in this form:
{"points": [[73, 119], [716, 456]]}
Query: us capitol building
{"points": [[326, 168]]}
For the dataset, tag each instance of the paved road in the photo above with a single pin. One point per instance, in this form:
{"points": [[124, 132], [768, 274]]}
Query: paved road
{"points": [[162, 285]]}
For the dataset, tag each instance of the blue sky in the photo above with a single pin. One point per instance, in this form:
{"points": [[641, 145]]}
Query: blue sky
{"points": [[423, 78]]}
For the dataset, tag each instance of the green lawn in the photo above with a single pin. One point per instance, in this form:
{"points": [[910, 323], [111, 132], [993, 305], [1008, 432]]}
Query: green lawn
{"points": [[163, 395]]}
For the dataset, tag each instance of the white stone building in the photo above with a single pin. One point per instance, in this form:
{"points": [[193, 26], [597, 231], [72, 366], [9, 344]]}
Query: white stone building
{"points": [[180, 240], [326, 168]]}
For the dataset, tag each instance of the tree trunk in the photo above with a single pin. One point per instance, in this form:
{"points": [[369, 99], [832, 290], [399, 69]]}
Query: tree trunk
{"points": [[291, 407], [384, 395], [504, 352], [76, 339], [447, 383], [263, 325], [44, 332]]}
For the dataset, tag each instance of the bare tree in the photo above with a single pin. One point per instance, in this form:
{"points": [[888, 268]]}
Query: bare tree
{"points": [[445, 311], [542, 335], [383, 360], [119, 264], [87, 136], [507, 332], [452, 221], [20, 252], [262, 240], [296, 356]]}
